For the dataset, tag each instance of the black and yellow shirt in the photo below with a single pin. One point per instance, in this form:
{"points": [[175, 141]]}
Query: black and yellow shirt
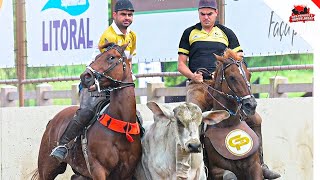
{"points": [[200, 45]]}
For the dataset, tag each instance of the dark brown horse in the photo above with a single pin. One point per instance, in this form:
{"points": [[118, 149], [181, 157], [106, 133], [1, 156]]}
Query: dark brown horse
{"points": [[231, 144], [114, 146]]}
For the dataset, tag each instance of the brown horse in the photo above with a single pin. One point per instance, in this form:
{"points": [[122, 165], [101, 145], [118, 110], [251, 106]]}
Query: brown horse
{"points": [[231, 144], [114, 146]]}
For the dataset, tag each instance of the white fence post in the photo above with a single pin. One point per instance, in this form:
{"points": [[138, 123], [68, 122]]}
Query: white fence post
{"points": [[274, 82], [75, 100], [151, 92], [40, 90], [4, 96]]}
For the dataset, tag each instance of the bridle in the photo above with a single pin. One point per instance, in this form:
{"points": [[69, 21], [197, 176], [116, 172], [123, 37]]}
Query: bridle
{"points": [[98, 76], [232, 96]]}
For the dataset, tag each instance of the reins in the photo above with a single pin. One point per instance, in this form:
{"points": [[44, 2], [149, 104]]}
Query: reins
{"points": [[229, 96], [224, 94]]}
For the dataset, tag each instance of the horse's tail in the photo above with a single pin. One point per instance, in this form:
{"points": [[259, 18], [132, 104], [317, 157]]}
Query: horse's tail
{"points": [[35, 175]]}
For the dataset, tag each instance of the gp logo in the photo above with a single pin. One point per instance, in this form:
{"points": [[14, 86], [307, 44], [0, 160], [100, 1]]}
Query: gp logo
{"points": [[238, 142]]}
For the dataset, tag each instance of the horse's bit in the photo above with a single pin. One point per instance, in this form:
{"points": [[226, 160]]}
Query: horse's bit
{"points": [[99, 75]]}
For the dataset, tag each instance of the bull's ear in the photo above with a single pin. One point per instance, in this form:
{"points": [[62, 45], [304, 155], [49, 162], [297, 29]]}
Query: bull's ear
{"points": [[214, 117], [159, 110], [154, 107]]}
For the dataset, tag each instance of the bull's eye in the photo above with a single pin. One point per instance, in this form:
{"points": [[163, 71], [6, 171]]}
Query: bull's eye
{"points": [[180, 124]]}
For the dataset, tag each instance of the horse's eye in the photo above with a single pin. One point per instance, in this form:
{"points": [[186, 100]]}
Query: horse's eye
{"points": [[232, 78], [111, 58]]}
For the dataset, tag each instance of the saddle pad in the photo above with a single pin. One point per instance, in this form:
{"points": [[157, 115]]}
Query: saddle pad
{"points": [[236, 142]]}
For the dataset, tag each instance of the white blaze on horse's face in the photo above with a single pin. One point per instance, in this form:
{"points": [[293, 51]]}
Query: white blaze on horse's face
{"points": [[188, 117]]}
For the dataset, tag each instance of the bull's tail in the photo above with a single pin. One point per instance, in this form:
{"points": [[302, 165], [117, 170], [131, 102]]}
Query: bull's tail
{"points": [[35, 174]]}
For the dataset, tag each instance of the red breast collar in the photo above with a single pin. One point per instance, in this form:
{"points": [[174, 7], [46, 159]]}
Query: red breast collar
{"points": [[120, 126]]}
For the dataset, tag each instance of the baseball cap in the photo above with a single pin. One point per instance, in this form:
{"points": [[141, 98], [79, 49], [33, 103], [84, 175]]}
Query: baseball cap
{"points": [[208, 4], [123, 5]]}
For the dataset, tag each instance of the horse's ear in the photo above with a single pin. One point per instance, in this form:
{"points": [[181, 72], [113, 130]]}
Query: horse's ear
{"points": [[106, 41], [124, 46], [235, 55], [219, 58]]}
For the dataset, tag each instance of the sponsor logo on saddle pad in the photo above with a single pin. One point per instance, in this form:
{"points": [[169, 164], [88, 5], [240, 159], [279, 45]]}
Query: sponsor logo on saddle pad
{"points": [[238, 142]]}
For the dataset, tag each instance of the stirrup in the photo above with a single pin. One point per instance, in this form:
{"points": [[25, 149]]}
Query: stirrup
{"points": [[60, 152], [228, 175]]}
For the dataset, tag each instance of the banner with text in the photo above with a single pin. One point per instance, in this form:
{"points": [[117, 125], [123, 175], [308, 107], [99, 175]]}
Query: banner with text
{"points": [[64, 31], [159, 27], [261, 31], [6, 34]]}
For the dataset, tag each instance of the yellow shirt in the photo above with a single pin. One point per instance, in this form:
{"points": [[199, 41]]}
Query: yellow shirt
{"points": [[113, 34]]}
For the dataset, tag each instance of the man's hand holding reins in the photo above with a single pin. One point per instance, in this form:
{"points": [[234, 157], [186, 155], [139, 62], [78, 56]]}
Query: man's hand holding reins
{"points": [[197, 77]]}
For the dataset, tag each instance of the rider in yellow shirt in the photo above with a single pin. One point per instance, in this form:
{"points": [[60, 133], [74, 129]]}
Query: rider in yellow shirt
{"points": [[119, 33]]}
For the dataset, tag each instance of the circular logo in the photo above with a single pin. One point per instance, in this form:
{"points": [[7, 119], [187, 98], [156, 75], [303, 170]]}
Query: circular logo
{"points": [[238, 142]]}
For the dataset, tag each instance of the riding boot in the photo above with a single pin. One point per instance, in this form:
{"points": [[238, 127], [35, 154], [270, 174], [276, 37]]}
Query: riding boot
{"points": [[267, 173], [78, 122]]}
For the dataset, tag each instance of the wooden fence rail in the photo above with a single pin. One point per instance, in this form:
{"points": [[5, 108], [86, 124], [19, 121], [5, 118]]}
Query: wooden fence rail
{"points": [[44, 94]]}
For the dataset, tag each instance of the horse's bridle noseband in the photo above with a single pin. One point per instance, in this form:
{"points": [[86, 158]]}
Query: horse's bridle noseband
{"points": [[233, 96], [98, 75], [243, 74]]}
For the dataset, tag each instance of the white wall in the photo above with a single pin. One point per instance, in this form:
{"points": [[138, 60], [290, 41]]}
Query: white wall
{"points": [[287, 131]]}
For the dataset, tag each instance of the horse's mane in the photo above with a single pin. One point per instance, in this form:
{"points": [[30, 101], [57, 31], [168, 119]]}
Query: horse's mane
{"points": [[228, 53]]}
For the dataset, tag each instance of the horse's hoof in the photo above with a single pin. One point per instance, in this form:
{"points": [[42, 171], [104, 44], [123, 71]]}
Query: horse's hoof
{"points": [[228, 175], [269, 174], [60, 152]]}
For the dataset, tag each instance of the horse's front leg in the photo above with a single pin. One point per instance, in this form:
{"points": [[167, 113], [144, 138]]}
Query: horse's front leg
{"points": [[255, 172], [98, 172], [79, 177], [215, 173]]}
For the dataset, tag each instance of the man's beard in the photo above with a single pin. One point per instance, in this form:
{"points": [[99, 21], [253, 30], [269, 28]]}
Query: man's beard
{"points": [[123, 26]]}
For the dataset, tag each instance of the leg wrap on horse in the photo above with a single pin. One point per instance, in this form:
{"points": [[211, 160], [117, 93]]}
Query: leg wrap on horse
{"points": [[267, 173], [257, 130], [79, 121]]}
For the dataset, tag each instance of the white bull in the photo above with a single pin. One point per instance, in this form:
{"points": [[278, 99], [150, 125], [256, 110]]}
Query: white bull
{"points": [[171, 148]]}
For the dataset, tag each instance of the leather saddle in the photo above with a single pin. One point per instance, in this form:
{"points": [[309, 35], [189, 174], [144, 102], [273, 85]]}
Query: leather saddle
{"points": [[235, 142]]}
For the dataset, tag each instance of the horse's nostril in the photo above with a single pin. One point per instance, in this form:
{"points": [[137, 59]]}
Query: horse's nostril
{"points": [[87, 79], [247, 105], [87, 76], [250, 106]]}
